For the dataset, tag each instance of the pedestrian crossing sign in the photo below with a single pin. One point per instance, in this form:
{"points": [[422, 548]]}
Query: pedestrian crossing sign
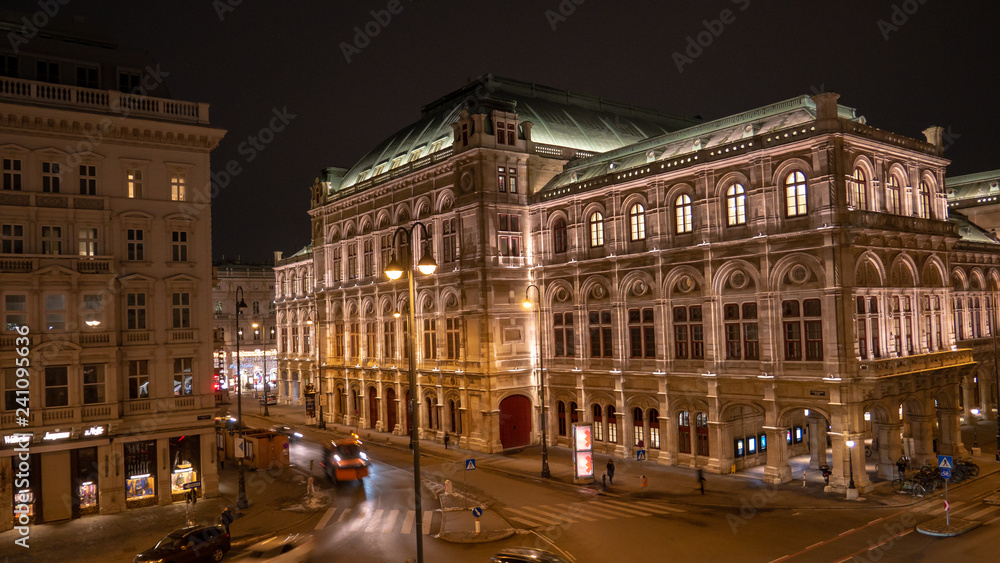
{"points": [[944, 462], [470, 464], [640, 455]]}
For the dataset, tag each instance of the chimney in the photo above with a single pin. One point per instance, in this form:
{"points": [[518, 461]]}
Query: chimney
{"points": [[277, 257], [935, 136], [826, 105]]}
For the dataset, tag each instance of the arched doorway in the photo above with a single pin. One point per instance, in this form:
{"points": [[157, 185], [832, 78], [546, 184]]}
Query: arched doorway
{"points": [[515, 421], [372, 407], [390, 409]]}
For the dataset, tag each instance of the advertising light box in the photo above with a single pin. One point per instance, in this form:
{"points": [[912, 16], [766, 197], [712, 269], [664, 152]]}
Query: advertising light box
{"points": [[583, 454]]}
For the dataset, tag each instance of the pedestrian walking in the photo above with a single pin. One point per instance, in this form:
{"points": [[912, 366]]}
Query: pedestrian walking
{"points": [[446, 440], [611, 471], [701, 480], [227, 518]]}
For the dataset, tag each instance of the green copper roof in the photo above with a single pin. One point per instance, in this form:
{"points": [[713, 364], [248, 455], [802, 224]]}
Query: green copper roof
{"points": [[559, 118], [973, 186], [969, 231]]}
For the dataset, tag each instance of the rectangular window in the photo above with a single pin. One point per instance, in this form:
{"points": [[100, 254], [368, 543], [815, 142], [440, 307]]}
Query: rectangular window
{"points": [[355, 340], [87, 77], [385, 249], [389, 339], [9, 66], [135, 311], [450, 240], [128, 82], [689, 338], [93, 384], [50, 177], [133, 178], [371, 339], [339, 345], [47, 71], [642, 334], [56, 386], [179, 246], [13, 397], [501, 179], [13, 239], [512, 182], [337, 265], [55, 311], [741, 337], [369, 257], [15, 308], [51, 240], [295, 339], [87, 241], [352, 261], [430, 339], [453, 337], [93, 310], [181, 309], [178, 188], [183, 378], [563, 331], [12, 174], [138, 379], [601, 345], [134, 245]]}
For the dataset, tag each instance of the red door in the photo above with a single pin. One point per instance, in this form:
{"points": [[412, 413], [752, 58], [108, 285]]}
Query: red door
{"points": [[515, 421], [390, 409], [372, 407]]}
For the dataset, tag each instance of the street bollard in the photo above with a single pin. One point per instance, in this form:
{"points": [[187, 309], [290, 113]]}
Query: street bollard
{"points": [[447, 486], [803, 477], [309, 487], [477, 526]]}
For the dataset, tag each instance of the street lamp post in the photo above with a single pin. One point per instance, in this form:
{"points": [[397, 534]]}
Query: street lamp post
{"points": [[996, 368], [241, 499], [975, 428], [394, 271], [541, 377], [850, 459], [263, 328]]}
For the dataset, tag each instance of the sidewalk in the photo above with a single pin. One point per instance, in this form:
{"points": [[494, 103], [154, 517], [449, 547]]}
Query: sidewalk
{"points": [[677, 485], [119, 537]]}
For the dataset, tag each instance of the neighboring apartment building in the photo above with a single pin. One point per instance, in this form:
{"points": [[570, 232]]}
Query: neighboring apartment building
{"points": [[718, 294], [106, 264], [257, 331]]}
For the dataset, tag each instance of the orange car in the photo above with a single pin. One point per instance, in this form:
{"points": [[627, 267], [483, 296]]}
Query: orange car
{"points": [[344, 460]]}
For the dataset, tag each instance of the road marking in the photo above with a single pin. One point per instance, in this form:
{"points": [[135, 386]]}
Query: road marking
{"points": [[871, 547], [780, 559], [343, 515], [574, 512], [528, 515], [325, 519], [557, 514], [597, 509], [428, 516], [983, 512], [649, 505], [358, 523], [374, 521], [407, 526], [992, 521], [525, 521], [845, 532], [390, 521], [627, 507], [940, 510], [816, 545]]}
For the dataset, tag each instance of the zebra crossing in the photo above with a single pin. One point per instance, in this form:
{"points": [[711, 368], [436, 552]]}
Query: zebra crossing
{"points": [[368, 520], [986, 513], [588, 511]]}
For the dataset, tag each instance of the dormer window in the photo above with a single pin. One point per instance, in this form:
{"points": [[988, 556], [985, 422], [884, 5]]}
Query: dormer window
{"points": [[363, 175], [506, 132], [380, 168], [415, 153], [437, 145], [398, 161]]}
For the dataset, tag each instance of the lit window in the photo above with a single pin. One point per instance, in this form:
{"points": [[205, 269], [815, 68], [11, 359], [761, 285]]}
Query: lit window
{"points": [[596, 230], [892, 194], [683, 208], [178, 189], [858, 195], [795, 194], [133, 178], [736, 205], [924, 201], [637, 221]]}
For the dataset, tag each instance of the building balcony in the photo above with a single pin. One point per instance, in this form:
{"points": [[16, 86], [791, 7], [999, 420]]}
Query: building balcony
{"points": [[137, 337], [892, 367], [182, 335], [101, 101], [28, 263]]}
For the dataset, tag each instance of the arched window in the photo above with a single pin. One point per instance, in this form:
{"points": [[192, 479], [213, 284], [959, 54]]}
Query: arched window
{"points": [[598, 422], [795, 194], [561, 414], [684, 432], [736, 205], [682, 208], [892, 194], [295, 285], [596, 229], [637, 220], [256, 307], [924, 201], [701, 428], [559, 239], [637, 428], [573, 416], [859, 189], [218, 307], [654, 429], [612, 425]]}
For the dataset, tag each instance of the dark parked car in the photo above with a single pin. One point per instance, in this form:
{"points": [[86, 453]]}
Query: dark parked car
{"points": [[525, 555], [191, 544]]}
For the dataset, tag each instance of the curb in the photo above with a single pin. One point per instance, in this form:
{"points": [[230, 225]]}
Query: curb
{"points": [[938, 528]]}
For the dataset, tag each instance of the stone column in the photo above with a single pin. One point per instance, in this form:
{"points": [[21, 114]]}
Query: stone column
{"points": [[968, 396], [777, 471], [949, 422], [922, 431], [7, 471], [817, 441], [890, 449], [209, 475]]}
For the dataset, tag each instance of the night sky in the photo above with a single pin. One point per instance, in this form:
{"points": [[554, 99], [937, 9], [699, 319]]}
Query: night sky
{"points": [[905, 65]]}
